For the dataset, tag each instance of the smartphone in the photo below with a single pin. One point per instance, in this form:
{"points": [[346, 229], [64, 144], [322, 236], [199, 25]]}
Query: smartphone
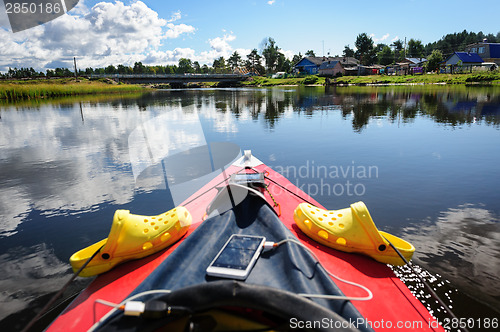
{"points": [[237, 257]]}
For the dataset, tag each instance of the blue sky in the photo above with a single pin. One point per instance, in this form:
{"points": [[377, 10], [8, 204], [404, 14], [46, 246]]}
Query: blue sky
{"points": [[203, 30]]}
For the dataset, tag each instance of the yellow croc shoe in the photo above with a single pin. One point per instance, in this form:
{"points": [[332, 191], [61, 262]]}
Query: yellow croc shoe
{"points": [[131, 237], [351, 230]]}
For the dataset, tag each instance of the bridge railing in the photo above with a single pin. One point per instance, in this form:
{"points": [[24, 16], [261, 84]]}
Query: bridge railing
{"points": [[215, 76]]}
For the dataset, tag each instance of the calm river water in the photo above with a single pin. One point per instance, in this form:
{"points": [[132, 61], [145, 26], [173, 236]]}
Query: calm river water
{"points": [[424, 159]]}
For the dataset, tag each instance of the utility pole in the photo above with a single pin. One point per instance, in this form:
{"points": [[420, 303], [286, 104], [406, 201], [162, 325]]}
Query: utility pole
{"points": [[74, 60], [405, 47]]}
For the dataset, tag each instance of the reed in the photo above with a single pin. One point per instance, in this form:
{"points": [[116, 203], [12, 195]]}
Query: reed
{"points": [[38, 89]]}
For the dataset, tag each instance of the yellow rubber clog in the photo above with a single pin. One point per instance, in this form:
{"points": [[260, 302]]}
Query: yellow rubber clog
{"points": [[351, 230], [132, 237]]}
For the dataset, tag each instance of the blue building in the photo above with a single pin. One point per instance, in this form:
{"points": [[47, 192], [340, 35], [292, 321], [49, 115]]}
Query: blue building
{"points": [[462, 61], [309, 65]]}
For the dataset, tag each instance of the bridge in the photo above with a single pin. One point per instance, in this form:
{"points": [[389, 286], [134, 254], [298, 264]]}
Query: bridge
{"points": [[173, 79]]}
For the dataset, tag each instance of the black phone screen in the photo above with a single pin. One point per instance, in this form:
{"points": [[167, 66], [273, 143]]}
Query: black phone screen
{"points": [[238, 252]]}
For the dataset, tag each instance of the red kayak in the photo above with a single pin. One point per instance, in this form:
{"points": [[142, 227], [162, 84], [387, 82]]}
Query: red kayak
{"points": [[181, 267]]}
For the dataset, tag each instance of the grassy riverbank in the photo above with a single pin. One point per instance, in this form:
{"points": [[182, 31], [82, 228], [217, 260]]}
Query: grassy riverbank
{"points": [[486, 77], [37, 89]]}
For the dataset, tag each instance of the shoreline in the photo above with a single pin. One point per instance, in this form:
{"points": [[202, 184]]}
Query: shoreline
{"points": [[43, 89], [478, 78]]}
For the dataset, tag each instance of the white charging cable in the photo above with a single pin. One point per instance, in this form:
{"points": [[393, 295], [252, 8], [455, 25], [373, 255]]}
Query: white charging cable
{"points": [[273, 245]]}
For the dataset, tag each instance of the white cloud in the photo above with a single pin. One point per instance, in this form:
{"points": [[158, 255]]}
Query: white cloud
{"points": [[176, 30], [4, 20], [221, 44], [108, 33], [175, 16], [288, 54], [378, 40], [170, 56], [271, 2], [394, 39]]}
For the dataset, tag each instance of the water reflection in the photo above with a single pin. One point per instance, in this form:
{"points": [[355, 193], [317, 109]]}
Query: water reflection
{"points": [[65, 167], [28, 265], [449, 105], [463, 245], [52, 162]]}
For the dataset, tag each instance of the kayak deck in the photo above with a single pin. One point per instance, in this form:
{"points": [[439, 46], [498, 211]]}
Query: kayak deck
{"points": [[392, 305]]}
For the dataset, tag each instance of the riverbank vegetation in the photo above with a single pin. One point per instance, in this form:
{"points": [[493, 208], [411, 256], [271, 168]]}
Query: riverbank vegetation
{"points": [[43, 88], [471, 78]]}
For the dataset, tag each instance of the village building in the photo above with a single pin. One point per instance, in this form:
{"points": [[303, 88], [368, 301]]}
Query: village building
{"points": [[409, 66], [489, 52], [330, 68], [310, 65], [461, 61]]}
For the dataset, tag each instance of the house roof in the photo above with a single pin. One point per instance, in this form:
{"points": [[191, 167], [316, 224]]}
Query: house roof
{"points": [[416, 60], [328, 64], [305, 62], [318, 60], [466, 57], [349, 61]]}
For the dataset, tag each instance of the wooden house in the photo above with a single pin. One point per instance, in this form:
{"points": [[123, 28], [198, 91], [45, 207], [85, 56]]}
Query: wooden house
{"points": [[330, 68], [489, 52]]}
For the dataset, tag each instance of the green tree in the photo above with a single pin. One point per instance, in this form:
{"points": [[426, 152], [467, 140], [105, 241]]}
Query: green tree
{"points": [[415, 49], [365, 51], [379, 47], [123, 70], [234, 60], [185, 66], [434, 60], [110, 69], [296, 58], [219, 65], [196, 67], [348, 52], [310, 53], [385, 56], [398, 50], [138, 68], [254, 61], [283, 64], [270, 52]]}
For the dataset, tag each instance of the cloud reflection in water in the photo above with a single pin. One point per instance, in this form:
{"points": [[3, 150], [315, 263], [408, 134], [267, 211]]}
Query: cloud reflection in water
{"points": [[463, 245]]}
